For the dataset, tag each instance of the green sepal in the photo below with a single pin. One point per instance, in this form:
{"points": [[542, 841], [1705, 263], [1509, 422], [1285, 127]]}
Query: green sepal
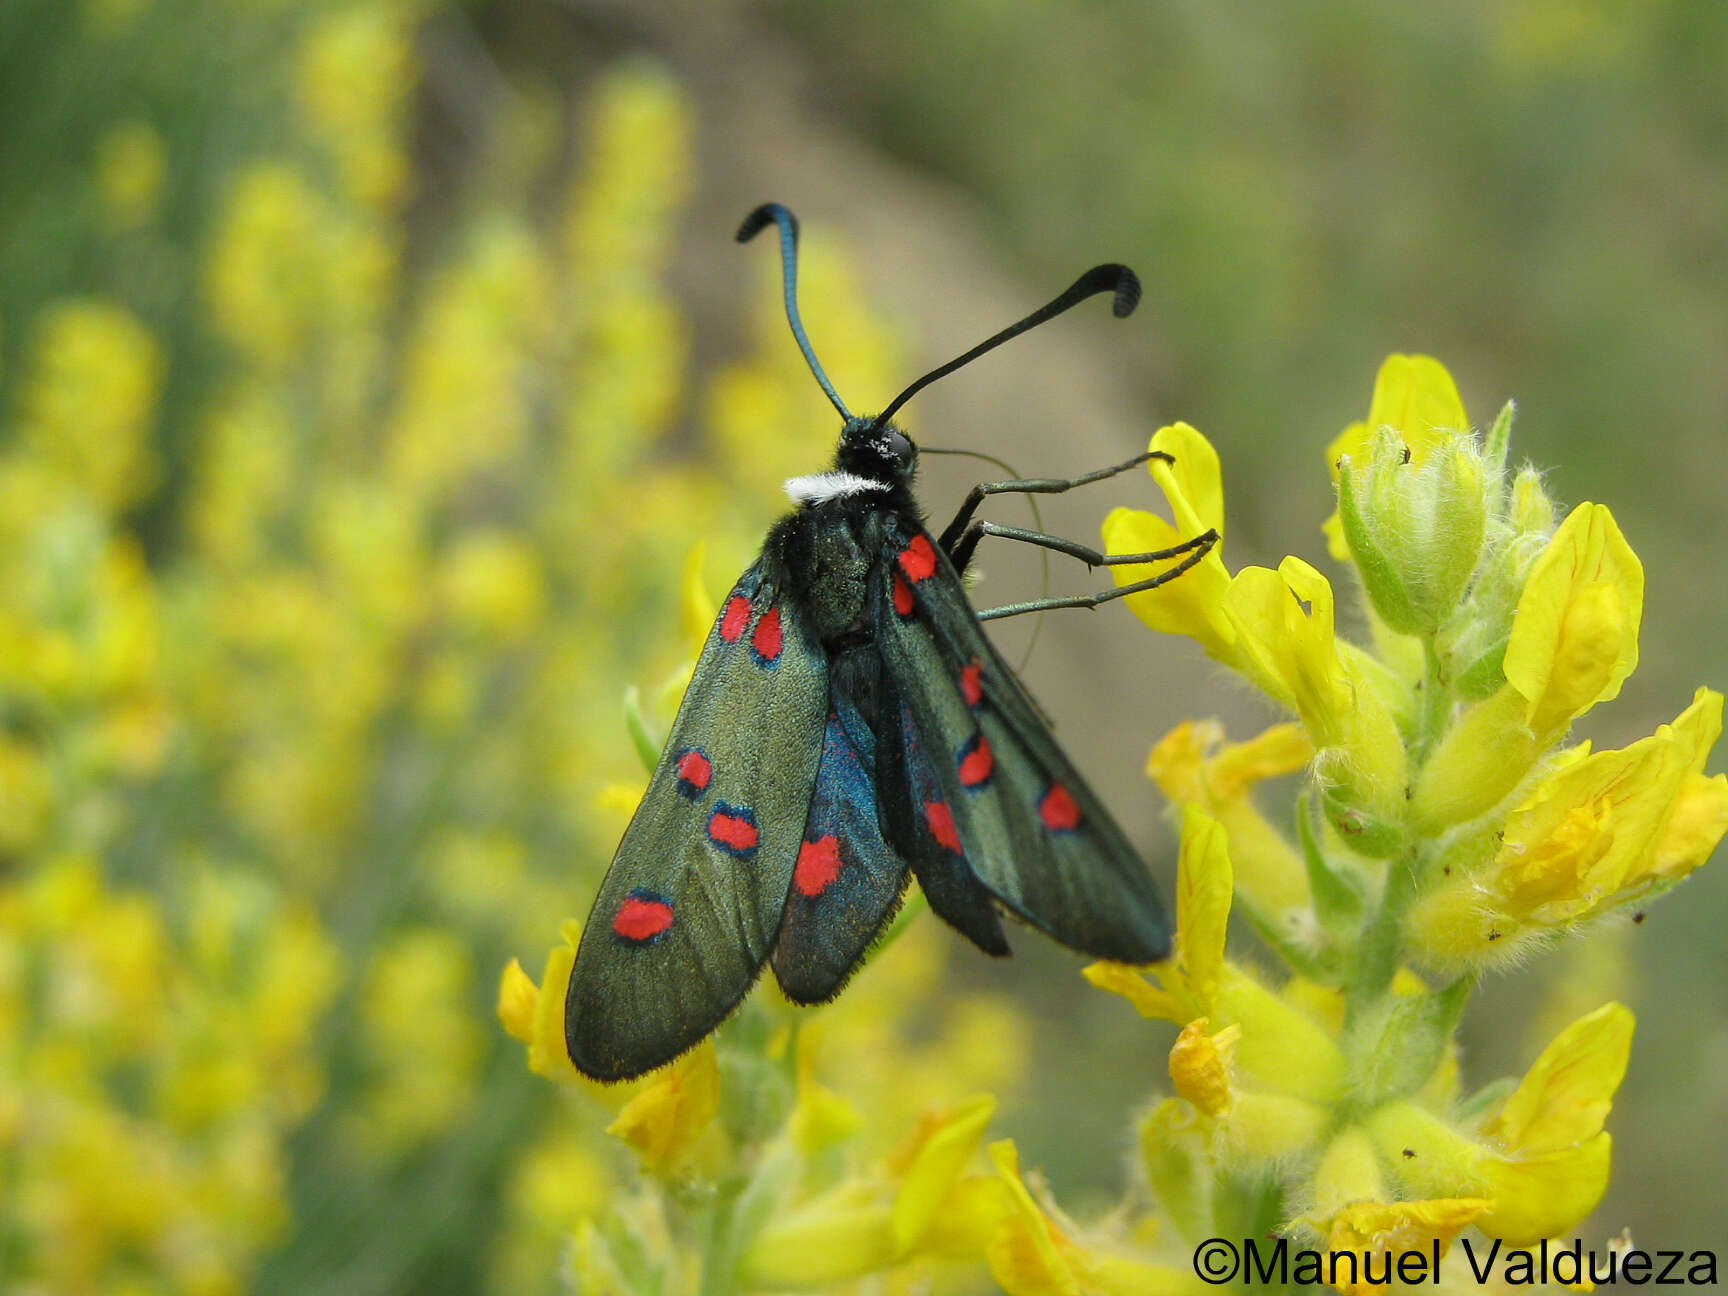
{"points": [[1379, 576], [1484, 676], [1486, 1099], [1494, 453], [1361, 830], [1412, 1032], [736, 1225], [756, 1091], [1178, 1169], [1337, 894]]}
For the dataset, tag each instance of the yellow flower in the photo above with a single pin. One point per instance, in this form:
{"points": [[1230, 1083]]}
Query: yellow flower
{"points": [[1415, 396], [539, 1023], [1283, 623], [1605, 828], [1542, 1159], [1594, 829], [1193, 765], [1193, 486], [1035, 1254], [1391, 1229], [1287, 1064], [1575, 635], [923, 1204], [672, 1110]]}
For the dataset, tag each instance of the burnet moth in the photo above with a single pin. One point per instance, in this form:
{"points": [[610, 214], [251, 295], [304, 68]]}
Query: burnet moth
{"points": [[849, 724]]}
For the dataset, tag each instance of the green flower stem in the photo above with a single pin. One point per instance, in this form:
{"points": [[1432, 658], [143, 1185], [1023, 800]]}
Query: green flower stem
{"points": [[1436, 706]]}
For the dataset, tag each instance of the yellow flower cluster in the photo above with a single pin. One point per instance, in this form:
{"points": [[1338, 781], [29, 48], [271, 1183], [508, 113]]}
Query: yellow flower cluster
{"points": [[1454, 834]]}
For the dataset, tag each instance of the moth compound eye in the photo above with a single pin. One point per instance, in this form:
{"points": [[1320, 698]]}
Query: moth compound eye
{"points": [[900, 447]]}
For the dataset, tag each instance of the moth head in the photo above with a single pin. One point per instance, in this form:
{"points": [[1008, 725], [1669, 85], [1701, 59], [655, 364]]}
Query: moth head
{"points": [[877, 451]]}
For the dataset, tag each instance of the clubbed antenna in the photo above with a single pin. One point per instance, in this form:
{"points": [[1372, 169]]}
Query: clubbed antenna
{"points": [[774, 214]]}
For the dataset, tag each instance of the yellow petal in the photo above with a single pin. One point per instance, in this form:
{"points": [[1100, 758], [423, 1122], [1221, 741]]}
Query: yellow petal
{"points": [[1699, 821], [1200, 1065], [1148, 999], [1575, 635], [1025, 1256], [1194, 763], [1203, 890], [548, 1054], [1193, 484], [1283, 622], [1545, 1196], [936, 1167], [517, 998], [1188, 604], [1565, 1096], [673, 1109], [1397, 1228]]}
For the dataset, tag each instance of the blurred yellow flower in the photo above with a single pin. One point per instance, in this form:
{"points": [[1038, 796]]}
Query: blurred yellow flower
{"points": [[1194, 765], [672, 1110], [87, 400], [131, 162]]}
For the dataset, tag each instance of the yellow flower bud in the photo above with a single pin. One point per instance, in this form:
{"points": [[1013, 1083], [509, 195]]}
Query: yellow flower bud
{"points": [[1486, 754], [1349, 1171], [1414, 396], [1415, 529]]}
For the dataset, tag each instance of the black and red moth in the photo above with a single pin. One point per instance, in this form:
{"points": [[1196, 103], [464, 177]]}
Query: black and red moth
{"points": [[848, 724]]}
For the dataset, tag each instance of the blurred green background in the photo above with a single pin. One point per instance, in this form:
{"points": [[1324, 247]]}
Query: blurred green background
{"points": [[368, 370]]}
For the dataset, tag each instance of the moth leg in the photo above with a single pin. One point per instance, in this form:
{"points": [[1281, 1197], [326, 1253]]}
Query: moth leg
{"points": [[956, 529], [961, 553], [1196, 549]]}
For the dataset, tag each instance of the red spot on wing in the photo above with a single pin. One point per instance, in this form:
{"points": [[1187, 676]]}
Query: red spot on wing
{"points": [[642, 917], [941, 821], [734, 829], [902, 596], [818, 865], [918, 559], [767, 639], [1057, 809], [693, 770], [976, 762], [971, 682], [735, 618]]}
